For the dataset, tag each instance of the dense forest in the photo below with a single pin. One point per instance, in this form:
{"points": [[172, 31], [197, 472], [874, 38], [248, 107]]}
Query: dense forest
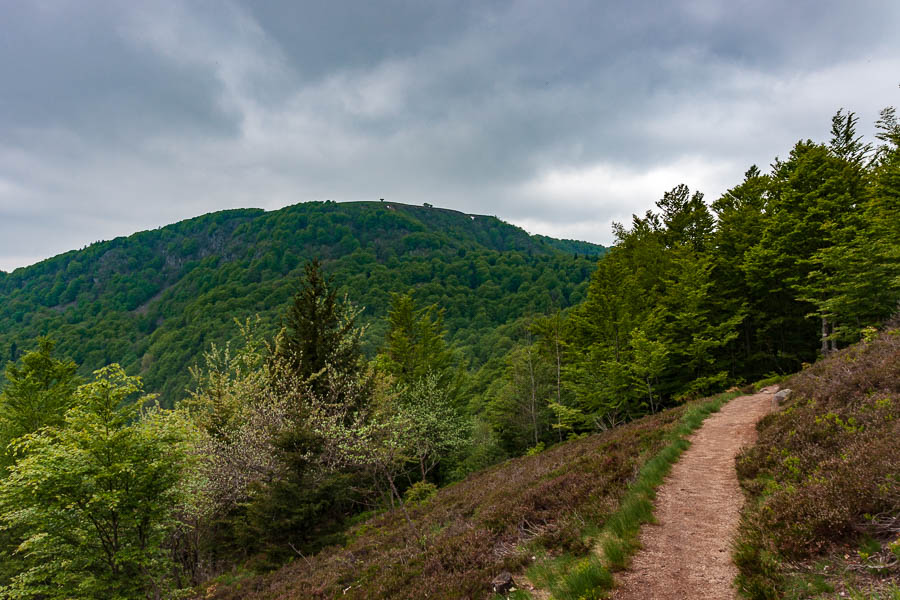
{"points": [[155, 300], [422, 345]]}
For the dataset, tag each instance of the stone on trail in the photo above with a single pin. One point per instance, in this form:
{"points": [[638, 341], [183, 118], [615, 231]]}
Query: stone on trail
{"points": [[782, 396]]}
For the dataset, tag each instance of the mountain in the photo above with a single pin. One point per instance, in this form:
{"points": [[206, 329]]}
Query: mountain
{"points": [[153, 301]]}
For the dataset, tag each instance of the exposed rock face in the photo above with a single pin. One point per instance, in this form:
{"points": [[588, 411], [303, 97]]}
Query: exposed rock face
{"points": [[781, 397], [503, 583]]}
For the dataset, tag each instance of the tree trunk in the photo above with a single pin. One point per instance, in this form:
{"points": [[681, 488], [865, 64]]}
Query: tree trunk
{"points": [[650, 391], [558, 365], [409, 522], [829, 344], [533, 397]]}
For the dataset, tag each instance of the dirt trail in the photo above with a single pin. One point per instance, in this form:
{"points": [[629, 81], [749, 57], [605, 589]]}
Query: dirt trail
{"points": [[687, 555]]}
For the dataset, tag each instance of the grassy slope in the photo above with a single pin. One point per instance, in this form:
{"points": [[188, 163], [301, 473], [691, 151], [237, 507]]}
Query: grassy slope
{"points": [[823, 481], [557, 506]]}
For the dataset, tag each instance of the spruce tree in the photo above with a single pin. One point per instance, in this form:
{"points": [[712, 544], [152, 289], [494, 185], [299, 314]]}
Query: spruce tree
{"points": [[415, 345], [320, 332]]}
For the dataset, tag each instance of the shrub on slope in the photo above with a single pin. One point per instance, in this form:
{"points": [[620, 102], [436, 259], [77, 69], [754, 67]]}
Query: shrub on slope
{"points": [[824, 479]]}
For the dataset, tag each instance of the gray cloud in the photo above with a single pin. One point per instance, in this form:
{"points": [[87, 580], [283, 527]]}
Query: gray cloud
{"points": [[561, 117]]}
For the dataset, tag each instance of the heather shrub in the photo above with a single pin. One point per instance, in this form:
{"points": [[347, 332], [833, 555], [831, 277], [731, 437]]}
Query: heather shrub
{"points": [[826, 469]]}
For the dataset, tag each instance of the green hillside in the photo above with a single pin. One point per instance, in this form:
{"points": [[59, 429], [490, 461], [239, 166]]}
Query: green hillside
{"points": [[153, 301]]}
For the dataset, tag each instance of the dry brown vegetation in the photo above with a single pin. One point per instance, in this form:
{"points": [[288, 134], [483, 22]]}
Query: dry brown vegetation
{"points": [[825, 479], [492, 521]]}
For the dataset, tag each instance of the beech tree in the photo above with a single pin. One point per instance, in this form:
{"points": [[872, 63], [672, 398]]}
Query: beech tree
{"points": [[520, 410], [435, 427], [863, 268], [740, 219], [95, 496]]}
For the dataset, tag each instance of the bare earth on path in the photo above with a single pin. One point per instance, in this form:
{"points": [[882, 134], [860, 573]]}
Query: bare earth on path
{"points": [[687, 554]]}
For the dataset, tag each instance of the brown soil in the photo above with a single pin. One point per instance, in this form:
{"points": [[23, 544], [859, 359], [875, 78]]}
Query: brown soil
{"points": [[687, 554]]}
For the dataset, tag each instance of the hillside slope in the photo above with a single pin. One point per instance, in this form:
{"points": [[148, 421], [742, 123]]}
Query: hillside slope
{"points": [[823, 515], [154, 300], [543, 512]]}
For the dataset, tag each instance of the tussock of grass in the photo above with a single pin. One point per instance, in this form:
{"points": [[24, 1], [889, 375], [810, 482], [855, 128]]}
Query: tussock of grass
{"points": [[892, 592], [767, 381], [587, 580]]}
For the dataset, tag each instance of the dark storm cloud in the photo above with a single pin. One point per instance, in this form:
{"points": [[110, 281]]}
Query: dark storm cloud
{"points": [[560, 117]]}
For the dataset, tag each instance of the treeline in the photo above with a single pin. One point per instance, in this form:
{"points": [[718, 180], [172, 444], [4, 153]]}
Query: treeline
{"points": [[693, 298]]}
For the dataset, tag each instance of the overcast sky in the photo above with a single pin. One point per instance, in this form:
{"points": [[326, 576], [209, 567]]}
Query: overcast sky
{"points": [[560, 117]]}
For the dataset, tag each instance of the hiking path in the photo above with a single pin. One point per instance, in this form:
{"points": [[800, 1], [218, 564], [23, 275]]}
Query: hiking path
{"points": [[687, 553]]}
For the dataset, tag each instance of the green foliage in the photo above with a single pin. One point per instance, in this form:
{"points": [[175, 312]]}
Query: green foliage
{"points": [[95, 497], [649, 331], [433, 425], [518, 401], [576, 247], [420, 491], [685, 218], [415, 344], [535, 449], [321, 332], [39, 390]]}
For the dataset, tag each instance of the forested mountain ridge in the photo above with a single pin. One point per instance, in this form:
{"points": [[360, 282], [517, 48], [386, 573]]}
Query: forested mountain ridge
{"points": [[153, 301]]}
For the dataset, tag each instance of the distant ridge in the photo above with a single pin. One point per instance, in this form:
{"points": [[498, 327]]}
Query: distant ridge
{"points": [[155, 300], [574, 246]]}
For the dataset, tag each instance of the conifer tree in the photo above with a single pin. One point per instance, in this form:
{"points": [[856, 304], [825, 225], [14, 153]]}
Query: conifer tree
{"points": [[415, 344], [686, 218], [320, 332]]}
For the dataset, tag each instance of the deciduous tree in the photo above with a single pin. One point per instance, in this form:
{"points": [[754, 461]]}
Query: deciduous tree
{"points": [[96, 496]]}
